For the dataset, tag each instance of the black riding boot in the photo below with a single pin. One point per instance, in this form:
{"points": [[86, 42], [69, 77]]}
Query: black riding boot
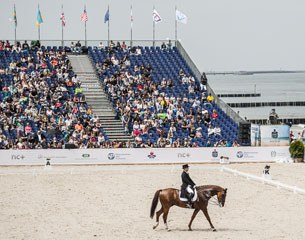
{"points": [[189, 203]]}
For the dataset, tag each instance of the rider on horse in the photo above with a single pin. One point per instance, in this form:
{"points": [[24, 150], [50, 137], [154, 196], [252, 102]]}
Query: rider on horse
{"points": [[188, 185]]}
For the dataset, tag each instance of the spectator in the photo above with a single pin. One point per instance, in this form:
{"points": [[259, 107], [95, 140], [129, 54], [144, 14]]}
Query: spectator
{"points": [[210, 98], [78, 46], [273, 117], [211, 130], [198, 133], [235, 144], [163, 46], [214, 114], [101, 45], [217, 130]]}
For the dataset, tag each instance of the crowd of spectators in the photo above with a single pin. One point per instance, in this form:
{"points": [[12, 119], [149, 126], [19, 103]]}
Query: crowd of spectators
{"points": [[42, 104], [143, 106]]}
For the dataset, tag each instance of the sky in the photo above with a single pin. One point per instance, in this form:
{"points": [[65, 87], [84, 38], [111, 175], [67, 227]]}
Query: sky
{"points": [[221, 35]]}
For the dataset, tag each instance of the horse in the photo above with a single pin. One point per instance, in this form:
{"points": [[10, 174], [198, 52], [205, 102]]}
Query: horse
{"points": [[170, 197]]}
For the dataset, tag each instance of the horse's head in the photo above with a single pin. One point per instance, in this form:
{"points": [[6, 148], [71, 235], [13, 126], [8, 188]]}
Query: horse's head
{"points": [[221, 197]]}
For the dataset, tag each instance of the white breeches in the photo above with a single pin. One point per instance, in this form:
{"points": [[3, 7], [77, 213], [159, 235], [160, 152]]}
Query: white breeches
{"points": [[189, 189]]}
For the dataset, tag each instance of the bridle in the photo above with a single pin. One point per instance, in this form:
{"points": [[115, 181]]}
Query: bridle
{"points": [[214, 201]]}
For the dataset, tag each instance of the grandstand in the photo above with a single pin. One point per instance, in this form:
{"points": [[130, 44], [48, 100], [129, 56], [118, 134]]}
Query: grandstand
{"points": [[152, 96]]}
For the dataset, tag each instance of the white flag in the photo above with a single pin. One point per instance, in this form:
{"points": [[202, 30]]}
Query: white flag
{"points": [[156, 17], [180, 17]]}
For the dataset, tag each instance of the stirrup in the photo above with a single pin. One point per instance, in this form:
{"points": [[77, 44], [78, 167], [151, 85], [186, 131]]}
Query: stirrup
{"points": [[189, 205]]}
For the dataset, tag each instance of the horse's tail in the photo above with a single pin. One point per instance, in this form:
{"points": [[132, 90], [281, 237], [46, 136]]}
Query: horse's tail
{"points": [[154, 203]]}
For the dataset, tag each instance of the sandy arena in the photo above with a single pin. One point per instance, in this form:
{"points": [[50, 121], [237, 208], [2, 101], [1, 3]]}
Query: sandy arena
{"points": [[113, 202]]}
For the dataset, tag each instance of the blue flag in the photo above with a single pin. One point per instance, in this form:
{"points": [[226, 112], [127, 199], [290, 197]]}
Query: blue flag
{"points": [[15, 16], [39, 18], [106, 18]]}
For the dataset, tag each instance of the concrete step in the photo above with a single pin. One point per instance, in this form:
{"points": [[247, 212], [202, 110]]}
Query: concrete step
{"points": [[111, 124], [104, 118], [114, 131], [93, 91], [98, 97], [113, 134], [93, 85], [101, 103], [121, 139], [105, 113]]}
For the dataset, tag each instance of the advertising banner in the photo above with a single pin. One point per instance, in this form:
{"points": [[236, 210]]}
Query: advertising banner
{"points": [[274, 135], [143, 155]]}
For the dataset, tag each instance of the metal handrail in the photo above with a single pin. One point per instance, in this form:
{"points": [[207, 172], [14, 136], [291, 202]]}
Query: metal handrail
{"points": [[95, 42], [225, 107]]}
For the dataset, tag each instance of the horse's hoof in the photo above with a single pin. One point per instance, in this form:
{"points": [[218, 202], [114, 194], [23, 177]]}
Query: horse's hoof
{"points": [[214, 229], [168, 230], [190, 229]]}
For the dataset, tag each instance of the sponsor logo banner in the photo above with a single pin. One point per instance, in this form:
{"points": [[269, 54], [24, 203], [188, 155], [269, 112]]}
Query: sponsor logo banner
{"points": [[136, 155]]}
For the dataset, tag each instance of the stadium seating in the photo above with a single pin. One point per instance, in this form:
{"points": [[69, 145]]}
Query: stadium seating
{"points": [[166, 64], [30, 68]]}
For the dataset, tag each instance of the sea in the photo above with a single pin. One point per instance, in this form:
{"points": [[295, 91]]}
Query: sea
{"points": [[273, 87]]}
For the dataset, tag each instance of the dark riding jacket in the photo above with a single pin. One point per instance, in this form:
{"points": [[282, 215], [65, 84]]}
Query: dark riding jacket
{"points": [[186, 180]]}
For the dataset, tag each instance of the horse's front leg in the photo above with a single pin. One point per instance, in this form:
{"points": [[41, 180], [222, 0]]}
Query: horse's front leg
{"points": [[206, 214], [192, 219]]}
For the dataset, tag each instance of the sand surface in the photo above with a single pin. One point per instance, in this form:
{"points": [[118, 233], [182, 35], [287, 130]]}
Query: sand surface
{"points": [[113, 202]]}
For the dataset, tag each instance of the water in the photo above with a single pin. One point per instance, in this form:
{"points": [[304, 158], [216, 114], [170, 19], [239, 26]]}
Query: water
{"points": [[273, 87]]}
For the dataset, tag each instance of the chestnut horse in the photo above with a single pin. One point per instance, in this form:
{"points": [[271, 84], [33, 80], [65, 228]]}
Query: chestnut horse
{"points": [[170, 197]]}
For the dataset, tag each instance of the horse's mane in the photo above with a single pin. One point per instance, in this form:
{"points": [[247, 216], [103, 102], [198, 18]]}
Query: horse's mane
{"points": [[209, 187]]}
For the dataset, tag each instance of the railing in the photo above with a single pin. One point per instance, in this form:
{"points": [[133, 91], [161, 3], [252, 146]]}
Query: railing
{"points": [[264, 180], [227, 109], [67, 43]]}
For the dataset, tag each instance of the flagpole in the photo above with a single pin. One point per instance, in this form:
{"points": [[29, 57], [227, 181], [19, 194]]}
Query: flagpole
{"points": [[176, 27], [39, 32], [154, 29], [62, 26], [15, 36], [108, 27], [85, 30], [131, 22]]}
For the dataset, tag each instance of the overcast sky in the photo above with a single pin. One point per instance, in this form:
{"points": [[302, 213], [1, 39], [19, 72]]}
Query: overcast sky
{"points": [[221, 35]]}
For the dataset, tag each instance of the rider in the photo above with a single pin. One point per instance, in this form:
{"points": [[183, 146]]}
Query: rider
{"points": [[187, 185]]}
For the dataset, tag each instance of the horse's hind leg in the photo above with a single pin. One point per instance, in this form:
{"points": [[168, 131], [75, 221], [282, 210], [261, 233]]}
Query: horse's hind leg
{"points": [[206, 214], [157, 217]]}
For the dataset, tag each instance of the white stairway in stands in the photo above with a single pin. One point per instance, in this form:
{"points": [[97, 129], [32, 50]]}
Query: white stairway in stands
{"points": [[96, 97]]}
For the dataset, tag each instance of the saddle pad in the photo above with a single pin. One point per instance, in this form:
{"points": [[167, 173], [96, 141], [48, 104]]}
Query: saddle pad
{"points": [[194, 199]]}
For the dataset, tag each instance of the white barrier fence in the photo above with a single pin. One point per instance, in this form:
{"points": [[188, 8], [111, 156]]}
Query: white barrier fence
{"points": [[264, 180], [143, 155]]}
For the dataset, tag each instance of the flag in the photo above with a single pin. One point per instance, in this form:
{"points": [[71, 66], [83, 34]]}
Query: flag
{"points": [[106, 18], [131, 16], [84, 16], [156, 17], [15, 16], [63, 19], [39, 18], [180, 17]]}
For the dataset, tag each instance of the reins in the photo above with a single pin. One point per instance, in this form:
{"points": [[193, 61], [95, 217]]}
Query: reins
{"points": [[214, 201]]}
